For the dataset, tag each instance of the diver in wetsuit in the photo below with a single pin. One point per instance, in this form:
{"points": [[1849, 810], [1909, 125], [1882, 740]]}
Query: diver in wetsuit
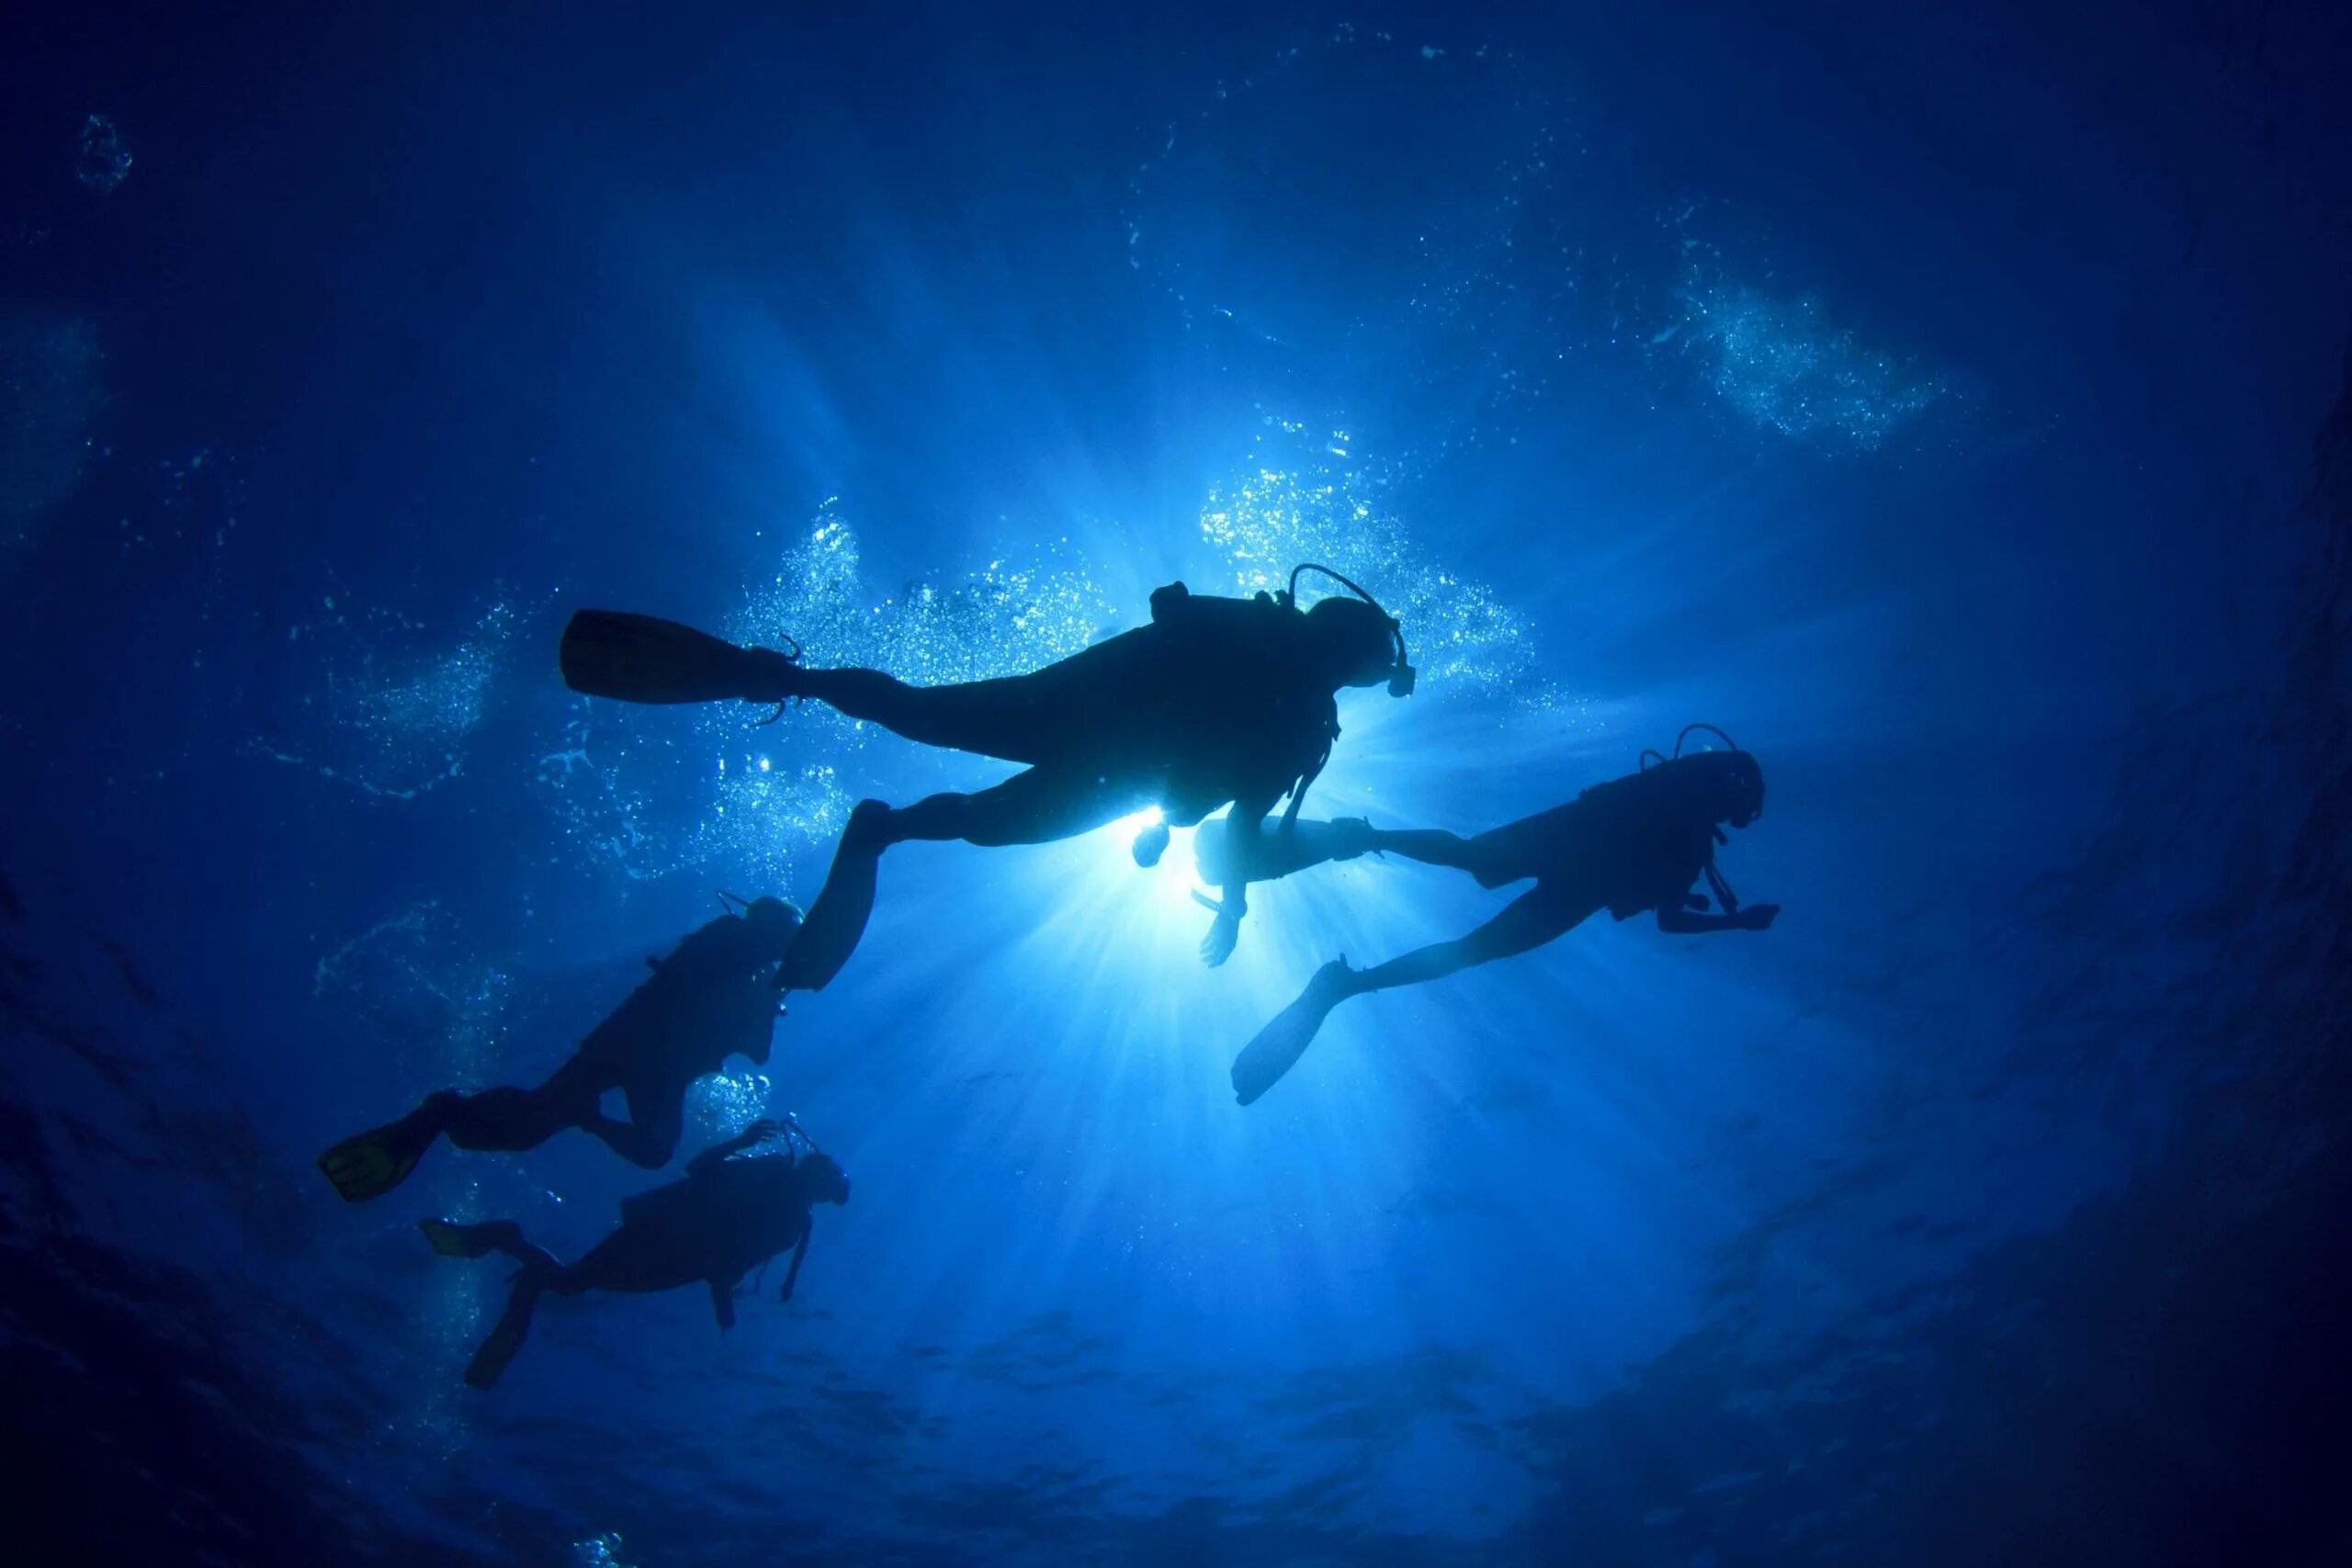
{"points": [[727, 1217], [716, 994], [1217, 701], [1631, 844]]}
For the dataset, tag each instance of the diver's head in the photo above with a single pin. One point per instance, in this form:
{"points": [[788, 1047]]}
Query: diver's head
{"points": [[1357, 642], [822, 1179], [1360, 643], [775, 917], [1724, 786], [1728, 786]]}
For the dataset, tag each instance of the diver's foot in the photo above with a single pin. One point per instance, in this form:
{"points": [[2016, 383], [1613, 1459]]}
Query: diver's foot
{"points": [[1149, 845], [371, 1163], [1334, 983], [772, 675], [872, 826]]}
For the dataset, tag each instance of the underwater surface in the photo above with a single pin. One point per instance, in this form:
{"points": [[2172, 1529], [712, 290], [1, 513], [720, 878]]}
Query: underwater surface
{"points": [[1951, 403]]}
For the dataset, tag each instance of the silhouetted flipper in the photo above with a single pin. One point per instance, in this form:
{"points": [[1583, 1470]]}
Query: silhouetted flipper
{"points": [[369, 1165], [644, 659], [1281, 1044], [498, 1351]]}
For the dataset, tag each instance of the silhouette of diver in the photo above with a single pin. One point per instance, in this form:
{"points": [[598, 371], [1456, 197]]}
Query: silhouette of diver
{"points": [[716, 994], [727, 1217], [1635, 843], [1217, 701]]}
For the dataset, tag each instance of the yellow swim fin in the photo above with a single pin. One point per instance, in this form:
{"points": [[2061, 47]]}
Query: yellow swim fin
{"points": [[370, 1164]]}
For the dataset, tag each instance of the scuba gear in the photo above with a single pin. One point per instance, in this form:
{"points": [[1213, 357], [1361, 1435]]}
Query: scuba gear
{"points": [[1734, 774], [1401, 671], [644, 659], [1402, 677], [767, 910], [1401, 674]]}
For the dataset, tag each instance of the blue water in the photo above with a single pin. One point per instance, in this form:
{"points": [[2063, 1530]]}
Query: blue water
{"points": [[1937, 398]]}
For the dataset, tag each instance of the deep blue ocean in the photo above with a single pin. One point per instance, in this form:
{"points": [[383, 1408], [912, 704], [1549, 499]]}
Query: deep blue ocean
{"points": [[1949, 401]]}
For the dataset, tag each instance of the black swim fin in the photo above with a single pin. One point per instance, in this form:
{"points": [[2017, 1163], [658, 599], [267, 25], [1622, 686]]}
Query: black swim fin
{"points": [[1281, 1044], [643, 659], [492, 1357]]}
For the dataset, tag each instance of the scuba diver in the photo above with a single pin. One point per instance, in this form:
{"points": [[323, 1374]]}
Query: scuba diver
{"points": [[729, 1216], [1217, 701], [1635, 843], [716, 994]]}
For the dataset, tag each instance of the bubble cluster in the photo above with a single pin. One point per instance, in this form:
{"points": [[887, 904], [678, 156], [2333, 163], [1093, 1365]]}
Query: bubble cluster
{"points": [[599, 1551], [1014, 614], [49, 396], [1266, 519], [416, 980], [390, 724], [102, 162], [1784, 365], [722, 1104]]}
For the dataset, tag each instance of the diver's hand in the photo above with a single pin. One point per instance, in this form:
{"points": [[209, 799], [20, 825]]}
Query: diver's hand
{"points": [[1224, 932], [1756, 916], [760, 1131], [1350, 836]]}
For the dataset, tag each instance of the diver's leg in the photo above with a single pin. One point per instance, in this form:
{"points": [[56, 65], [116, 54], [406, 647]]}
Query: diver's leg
{"points": [[1278, 850], [1430, 846], [1533, 918], [657, 1113], [1007, 717], [509, 1120], [1041, 805], [1038, 806], [1544, 913]]}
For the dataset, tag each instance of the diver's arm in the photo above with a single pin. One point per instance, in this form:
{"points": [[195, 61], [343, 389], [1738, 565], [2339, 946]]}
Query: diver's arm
{"points": [[1675, 920], [757, 1132], [722, 1301], [1242, 825], [791, 1275]]}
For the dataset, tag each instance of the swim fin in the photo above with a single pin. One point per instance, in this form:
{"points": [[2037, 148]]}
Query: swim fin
{"points": [[837, 920], [643, 659], [453, 1240], [370, 1164], [1281, 1044], [505, 1341]]}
